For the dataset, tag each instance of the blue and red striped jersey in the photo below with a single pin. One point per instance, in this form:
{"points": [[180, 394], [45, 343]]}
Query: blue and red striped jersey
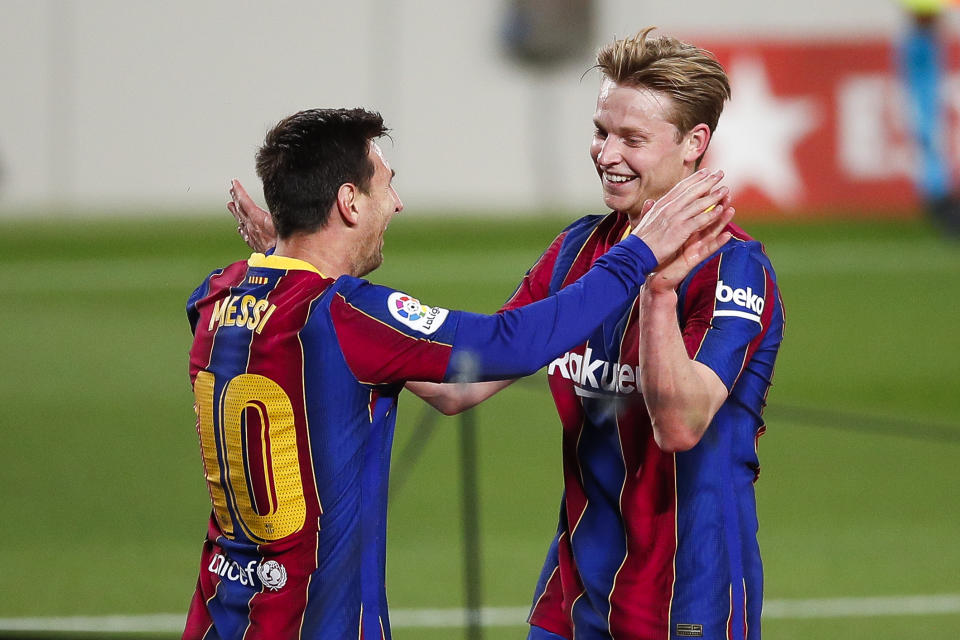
{"points": [[653, 544], [296, 378]]}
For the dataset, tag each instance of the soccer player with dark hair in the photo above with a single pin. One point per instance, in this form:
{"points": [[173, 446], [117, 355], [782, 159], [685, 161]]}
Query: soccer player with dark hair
{"points": [[297, 363]]}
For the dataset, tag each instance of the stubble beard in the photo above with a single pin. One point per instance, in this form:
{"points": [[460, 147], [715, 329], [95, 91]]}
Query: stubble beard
{"points": [[369, 257]]}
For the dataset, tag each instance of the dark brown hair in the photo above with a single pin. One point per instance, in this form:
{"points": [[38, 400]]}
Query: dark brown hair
{"points": [[305, 159]]}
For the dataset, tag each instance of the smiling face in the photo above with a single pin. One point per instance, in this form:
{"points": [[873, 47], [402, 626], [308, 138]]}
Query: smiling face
{"points": [[637, 151], [376, 208]]}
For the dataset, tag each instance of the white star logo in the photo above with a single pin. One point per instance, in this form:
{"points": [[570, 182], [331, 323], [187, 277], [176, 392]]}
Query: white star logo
{"points": [[757, 134]]}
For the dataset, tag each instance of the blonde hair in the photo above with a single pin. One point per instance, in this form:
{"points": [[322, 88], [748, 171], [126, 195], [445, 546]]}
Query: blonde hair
{"points": [[688, 74]]}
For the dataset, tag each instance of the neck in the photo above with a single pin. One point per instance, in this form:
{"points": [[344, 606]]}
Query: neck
{"points": [[316, 250]]}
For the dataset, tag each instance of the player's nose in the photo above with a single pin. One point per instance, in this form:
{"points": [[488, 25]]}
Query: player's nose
{"points": [[610, 152], [397, 203]]}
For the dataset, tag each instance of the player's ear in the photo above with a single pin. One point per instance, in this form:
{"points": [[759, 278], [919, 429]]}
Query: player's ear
{"points": [[347, 205], [695, 142]]}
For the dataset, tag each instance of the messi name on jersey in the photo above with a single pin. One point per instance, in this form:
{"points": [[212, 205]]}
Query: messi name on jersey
{"points": [[241, 311]]}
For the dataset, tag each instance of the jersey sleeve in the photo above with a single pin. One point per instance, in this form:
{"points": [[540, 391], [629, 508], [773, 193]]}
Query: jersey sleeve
{"points": [[193, 314], [727, 308], [519, 341], [388, 336]]}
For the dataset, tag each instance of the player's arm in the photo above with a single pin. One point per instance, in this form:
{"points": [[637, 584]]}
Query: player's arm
{"points": [[520, 341], [452, 398], [681, 394]]}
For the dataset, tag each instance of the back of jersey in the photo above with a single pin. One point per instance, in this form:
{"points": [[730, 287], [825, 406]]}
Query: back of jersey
{"points": [[247, 368]]}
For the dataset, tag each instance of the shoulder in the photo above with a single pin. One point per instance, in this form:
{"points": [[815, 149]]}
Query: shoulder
{"points": [[356, 298], [740, 271], [581, 229], [587, 222], [225, 275], [597, 231], [741, 252]]}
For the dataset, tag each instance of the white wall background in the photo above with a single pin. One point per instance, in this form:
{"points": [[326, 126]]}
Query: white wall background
{"points": [[109, 105]]}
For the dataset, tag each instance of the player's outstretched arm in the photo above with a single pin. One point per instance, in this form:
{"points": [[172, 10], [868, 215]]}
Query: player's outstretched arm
{"points": [[254, 224], [453, 398], [681, 394], [682, 209], [519, 341]]}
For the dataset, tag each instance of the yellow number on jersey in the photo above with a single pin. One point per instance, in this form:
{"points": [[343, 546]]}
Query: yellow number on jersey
{"points": [[281, 464]]}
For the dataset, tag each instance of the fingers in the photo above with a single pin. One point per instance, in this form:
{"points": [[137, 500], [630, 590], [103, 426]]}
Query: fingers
{"points": [[696, 185], [701, 244], [707, 209], [232, 208], [242, 200], [693, 195], [709, 239], [647, 205], [237, 188], [715, 236], [690, 205], [241, 211], [712, 200]]}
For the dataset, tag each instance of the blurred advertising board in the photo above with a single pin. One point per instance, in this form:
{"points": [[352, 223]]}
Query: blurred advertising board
{"points": [[822, 127]]}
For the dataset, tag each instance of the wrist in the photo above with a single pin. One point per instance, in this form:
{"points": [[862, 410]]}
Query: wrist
{"points": [[639, 247], [657, 290]]}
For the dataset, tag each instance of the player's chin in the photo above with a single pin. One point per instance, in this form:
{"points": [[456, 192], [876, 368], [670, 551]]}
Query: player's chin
{"points": [[370, 265], [618, 201]]}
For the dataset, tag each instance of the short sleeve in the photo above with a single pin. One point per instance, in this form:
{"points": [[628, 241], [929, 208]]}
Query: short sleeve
{"points": [[726, 309]]}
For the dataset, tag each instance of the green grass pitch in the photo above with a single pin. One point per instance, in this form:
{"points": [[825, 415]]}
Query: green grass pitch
{"points": [[104, 506]]}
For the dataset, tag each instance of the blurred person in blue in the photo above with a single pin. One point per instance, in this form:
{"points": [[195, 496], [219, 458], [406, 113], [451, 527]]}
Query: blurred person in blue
{"points": [[920, 63], [661, 408]]}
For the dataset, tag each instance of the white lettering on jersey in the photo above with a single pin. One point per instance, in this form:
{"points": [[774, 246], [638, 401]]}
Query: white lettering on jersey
{"points": [[595, 378], [272, 574], [745, 298], [418, 317]]}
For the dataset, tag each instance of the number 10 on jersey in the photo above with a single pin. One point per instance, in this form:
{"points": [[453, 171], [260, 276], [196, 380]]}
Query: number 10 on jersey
{"points": [[251, 409]]}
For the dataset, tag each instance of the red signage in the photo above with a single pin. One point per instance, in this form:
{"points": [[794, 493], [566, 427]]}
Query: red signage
{"points": [[820, 128]]}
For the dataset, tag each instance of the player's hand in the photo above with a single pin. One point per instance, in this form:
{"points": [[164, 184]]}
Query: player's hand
{"points": [[253, 223], [693, 204], [697, 248]]}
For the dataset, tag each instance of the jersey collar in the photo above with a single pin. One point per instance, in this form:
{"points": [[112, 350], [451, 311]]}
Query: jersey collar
{"points": [[281, 262]]}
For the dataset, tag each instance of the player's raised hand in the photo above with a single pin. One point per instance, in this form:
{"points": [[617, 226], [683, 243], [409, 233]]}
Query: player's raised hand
{"points": [[253, 223], [697, 248], [690, 206]]}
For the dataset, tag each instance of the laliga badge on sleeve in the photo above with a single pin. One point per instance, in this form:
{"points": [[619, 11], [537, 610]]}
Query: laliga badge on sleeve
{"points": [[410, 312]]}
